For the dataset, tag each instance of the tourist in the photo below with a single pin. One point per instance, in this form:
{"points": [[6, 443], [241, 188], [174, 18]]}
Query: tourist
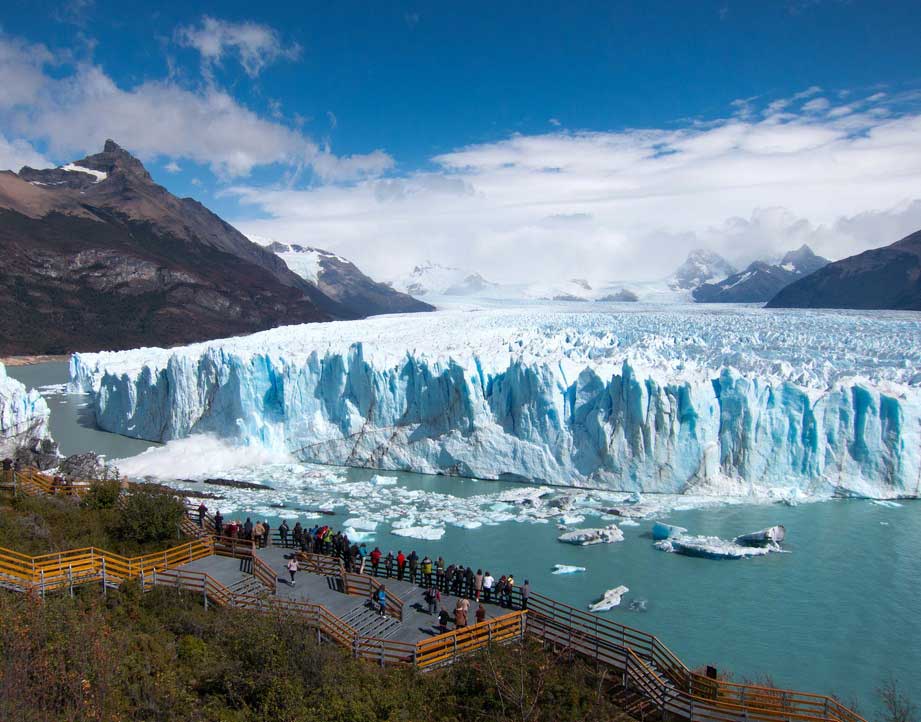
{"points": [[440, 574], [248, 530], [375, 560], [362, 557], [433, 597], [525, 594], [266, 534], [202, 510], [509, 588], [298, 534], [388, 563], [468, 582], [427, 571], [292, 568], [257, 534], [457, 583], [449, 578], [500, 591], [460, 613], [480, 613], [218, 523], [401, 563], [478, 584], [283, 533], [328, 541], [382, 601], [413, 566], [352, 557], [443, 619]]}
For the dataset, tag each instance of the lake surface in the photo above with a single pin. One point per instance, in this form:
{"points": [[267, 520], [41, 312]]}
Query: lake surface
{"points": [[835, 615]]}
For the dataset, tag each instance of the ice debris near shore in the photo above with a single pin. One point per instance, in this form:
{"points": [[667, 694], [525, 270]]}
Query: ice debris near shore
{"points": [[736, 401], [611, 599], [587, 537]]}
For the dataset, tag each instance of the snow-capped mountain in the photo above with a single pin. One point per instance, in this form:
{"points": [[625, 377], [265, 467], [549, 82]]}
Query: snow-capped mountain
{"points": [[434, 279], [761, 281], [97, 255], [341, 280], [882, 278], [700, 267]]}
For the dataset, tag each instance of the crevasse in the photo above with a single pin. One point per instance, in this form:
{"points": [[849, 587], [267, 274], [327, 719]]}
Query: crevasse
{"points": [[577, 421]]}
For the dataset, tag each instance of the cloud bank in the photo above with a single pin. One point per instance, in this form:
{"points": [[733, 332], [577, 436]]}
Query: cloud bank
{"points": [[630, 204]]}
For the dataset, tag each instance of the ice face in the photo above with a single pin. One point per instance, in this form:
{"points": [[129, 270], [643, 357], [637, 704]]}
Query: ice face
{"points": [[23, 415], [736, 401]]}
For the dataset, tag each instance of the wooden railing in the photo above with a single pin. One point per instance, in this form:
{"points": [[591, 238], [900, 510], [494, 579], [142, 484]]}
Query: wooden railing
{"points": [[50, 572], [654, 669], [321, 564], [445, 648], [33, 482], [361, 585]]}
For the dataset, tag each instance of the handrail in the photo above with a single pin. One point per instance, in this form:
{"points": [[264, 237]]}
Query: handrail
{"points": [[444, 648], [264, 573], [362, 585]]}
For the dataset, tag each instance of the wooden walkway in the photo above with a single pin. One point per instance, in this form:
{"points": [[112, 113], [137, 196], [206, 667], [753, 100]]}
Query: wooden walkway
{"points": [[648, 679]]}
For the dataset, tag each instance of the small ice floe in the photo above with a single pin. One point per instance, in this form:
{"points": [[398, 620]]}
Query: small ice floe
{"points": [[571, 519], [379, 480], [763, 538], [432, 533], [638, 605], [884, 523], [361, 524], [610, 599], [358, 535], [629, 522], [886, 503], [586, 537], [566, 569], [711, 547], [662, 531]]}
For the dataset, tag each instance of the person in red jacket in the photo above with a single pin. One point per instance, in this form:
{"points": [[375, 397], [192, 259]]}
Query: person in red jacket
{"points": [[401, 563], [375, 560]]}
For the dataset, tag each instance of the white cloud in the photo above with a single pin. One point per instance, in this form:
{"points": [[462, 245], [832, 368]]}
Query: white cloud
{"points": [[172, 167], [626, 204], [255, 46], [75, 111], [14, 154]]}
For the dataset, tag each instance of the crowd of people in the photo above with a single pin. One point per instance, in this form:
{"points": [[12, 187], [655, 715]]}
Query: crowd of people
{"points": [[435, 576]]}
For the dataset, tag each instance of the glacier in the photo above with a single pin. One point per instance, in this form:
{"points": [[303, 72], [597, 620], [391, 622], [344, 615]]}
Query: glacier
{"points": [[23, 416], [679, 400]]}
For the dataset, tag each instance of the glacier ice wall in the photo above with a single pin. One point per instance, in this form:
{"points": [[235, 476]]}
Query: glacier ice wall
{"points": [[23, 416], [547, 407]]}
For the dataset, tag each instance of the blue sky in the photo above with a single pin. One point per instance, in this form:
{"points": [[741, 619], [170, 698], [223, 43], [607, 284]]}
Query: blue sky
{"points": [[424, 129]]}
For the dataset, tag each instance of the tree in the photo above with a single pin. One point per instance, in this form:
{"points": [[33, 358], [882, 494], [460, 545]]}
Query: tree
{"points": [[897, 707], [149, 515]]}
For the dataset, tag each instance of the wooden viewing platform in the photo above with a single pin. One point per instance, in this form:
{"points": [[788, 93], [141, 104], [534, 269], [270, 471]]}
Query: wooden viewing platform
{"points": [[649, 679]]}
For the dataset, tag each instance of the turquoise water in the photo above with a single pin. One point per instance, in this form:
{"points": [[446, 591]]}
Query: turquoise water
{"points": [[837, 614]]}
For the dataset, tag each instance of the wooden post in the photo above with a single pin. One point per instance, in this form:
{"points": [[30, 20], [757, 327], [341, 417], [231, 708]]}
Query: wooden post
{"points": [[70, 579], [104, 592], [43, 584]]}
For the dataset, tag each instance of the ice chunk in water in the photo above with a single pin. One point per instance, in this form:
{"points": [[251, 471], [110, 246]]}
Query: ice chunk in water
{"points": [[432, 533], [585, 537], [610, 599], [566, 569]]}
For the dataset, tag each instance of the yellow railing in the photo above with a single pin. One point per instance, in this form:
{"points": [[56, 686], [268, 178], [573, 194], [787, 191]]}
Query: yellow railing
{"points": [[49, 572], [444, 648]]}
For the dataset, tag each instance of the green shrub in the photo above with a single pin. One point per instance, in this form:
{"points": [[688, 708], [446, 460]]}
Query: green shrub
{"points": [[103, 494], [149, 515]]}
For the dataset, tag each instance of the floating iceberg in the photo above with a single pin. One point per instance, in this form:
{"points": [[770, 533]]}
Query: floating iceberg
{"points": [[765, 537], [566, 569], [700, 400], [379, 480], [432, 533], [586, 537], [662, 531], [711, 547], [610, 599]]}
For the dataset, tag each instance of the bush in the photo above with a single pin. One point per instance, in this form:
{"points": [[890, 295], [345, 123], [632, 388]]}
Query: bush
{"points": [[103, 494], [149, 515]]}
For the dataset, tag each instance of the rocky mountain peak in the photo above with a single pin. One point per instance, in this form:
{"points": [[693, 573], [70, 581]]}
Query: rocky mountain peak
{"points": [[114, 158]]}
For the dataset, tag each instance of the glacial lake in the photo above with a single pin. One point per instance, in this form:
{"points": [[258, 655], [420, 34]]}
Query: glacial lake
{"points": [[837, 614]]}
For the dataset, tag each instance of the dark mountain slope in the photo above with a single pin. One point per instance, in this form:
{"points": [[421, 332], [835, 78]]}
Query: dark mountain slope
{"points": [[882, 278]]}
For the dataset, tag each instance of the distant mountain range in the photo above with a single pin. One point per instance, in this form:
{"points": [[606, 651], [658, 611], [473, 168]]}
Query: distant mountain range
{"points": [[98, 256], [342, 281], [882, 278], [760, 281], [700, 267]]}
